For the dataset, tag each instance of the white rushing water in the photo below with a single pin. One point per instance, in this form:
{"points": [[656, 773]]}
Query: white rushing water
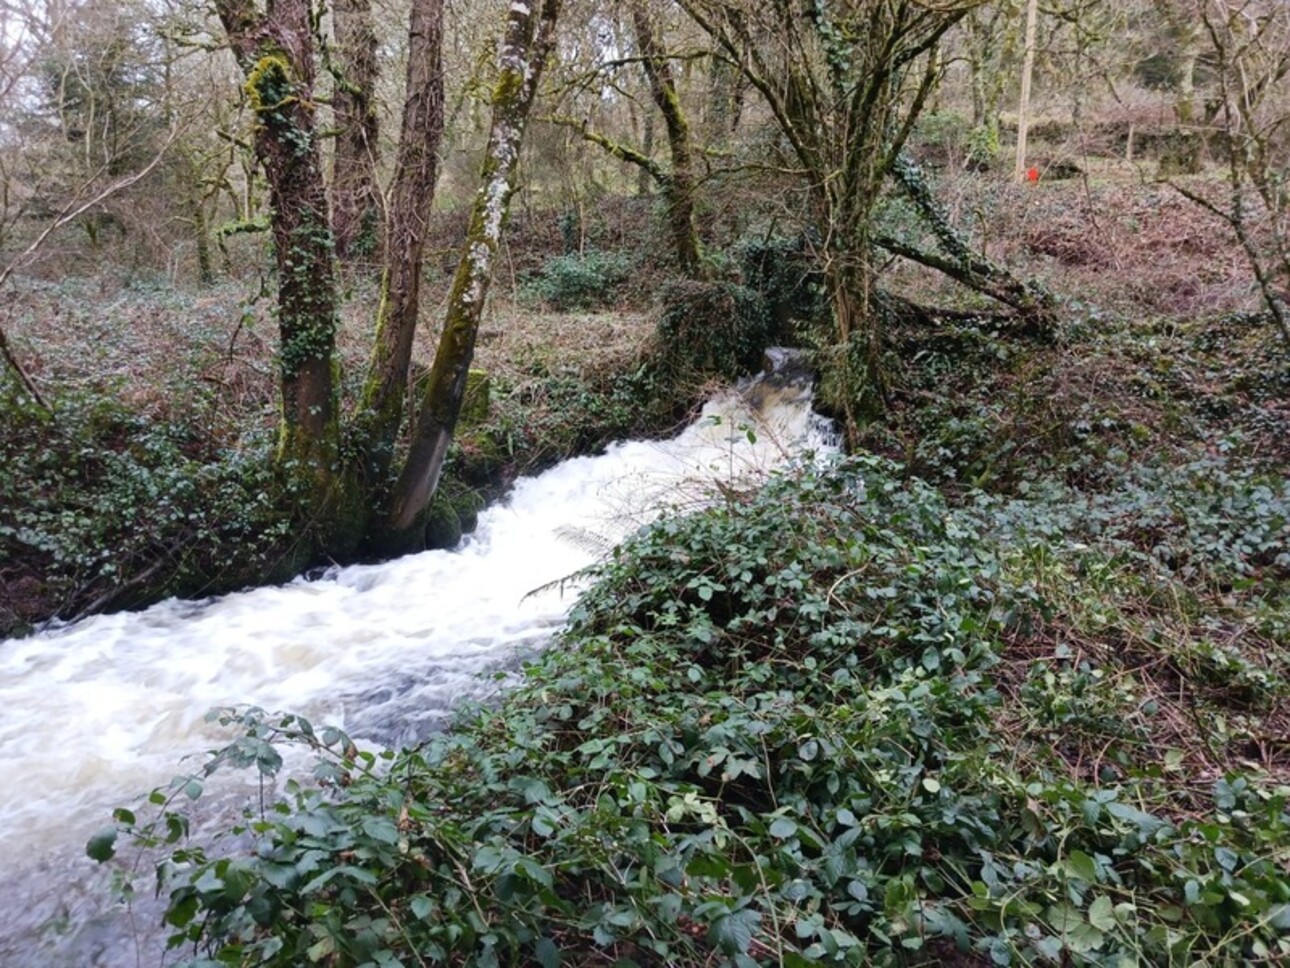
{"points": [[95, 714]]}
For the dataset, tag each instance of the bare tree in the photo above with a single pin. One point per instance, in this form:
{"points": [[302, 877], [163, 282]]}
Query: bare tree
{"points": [[356, 202], [1249, 42], [844, 86], [679, 185], [411, 198]]}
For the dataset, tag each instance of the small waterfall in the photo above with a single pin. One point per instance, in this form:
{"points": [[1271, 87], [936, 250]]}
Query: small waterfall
{"points": [[94, 714]]}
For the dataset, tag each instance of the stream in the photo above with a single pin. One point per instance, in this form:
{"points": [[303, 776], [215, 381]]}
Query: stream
{"points": [[95, 714]]}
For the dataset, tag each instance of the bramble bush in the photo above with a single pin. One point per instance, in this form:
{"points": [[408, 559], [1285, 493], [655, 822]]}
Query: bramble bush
{"points": [[835, 721], [580, 280]]}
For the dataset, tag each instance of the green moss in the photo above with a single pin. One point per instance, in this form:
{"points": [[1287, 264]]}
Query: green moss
{"points": [[442, 524], [269, 85], [477, 399]]}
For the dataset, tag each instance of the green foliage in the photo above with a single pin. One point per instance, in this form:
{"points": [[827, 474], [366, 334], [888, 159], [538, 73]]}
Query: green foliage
{"points": [[552, 410], [96, 498], [825, 723], [585, 280], [784, 271], [709, 329]]}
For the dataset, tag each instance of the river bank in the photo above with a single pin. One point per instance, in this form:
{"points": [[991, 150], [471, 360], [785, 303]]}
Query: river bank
{"points": [[832, 720]]}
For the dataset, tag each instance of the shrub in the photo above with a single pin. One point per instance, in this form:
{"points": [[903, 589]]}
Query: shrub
{"points": [[581, 280], [709, 329], [783, 271], [103, 506]]}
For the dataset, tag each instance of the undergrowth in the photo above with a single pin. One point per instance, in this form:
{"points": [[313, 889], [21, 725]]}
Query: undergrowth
{"points": [[836, 721], [105, 507]]}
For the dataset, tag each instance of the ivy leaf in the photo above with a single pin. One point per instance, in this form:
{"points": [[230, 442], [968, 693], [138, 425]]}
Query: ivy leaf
{"points": [[102, 846]]}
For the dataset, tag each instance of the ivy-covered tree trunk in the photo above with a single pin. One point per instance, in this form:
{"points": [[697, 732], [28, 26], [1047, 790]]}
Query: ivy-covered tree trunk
{"points": [[411, 198], [680, 182], [526, 45], [356, 201], [276, 53]]}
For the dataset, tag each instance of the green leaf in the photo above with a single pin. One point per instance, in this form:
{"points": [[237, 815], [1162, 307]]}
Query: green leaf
{"points": [[1084, 938], [1064, 918], [783, 827], [102, 846], [1082, 866], [1101, 914], [548, 955], [534, 871], [321, 948], [733, 933]]}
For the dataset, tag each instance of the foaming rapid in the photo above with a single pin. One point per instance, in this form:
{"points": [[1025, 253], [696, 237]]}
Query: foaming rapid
{"points": [[96, 713]]}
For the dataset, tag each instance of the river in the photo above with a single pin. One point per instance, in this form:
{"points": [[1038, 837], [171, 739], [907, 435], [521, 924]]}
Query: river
{"points": [[95, 714]]}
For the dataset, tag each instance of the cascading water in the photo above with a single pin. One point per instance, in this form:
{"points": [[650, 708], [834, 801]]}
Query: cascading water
{"points": [[94, 714]]}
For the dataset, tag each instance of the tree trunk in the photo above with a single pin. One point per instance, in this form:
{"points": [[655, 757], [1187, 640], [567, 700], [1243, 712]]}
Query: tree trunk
{"points": [[411, 199], [643, 179], [679, 187], [276, 54], [527, 43], [356, 199], [1023, 105], [1184, 151]]}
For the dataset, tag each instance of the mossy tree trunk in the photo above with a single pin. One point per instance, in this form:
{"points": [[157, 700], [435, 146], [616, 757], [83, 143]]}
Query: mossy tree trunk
{"points": [[526, 45], [276, 53], [680, 182], [356, 198], [411, 199]]}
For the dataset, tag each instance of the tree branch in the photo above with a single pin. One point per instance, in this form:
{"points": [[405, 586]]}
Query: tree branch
{"points": [[615, 148]]}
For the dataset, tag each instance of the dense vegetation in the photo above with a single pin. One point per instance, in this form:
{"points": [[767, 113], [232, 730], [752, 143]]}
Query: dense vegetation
{"points": [[1008, 684], [849, 718], [836, 720]]}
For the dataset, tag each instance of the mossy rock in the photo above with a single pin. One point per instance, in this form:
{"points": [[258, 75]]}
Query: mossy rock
{"points": [[453, 512], [442, 524]]}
